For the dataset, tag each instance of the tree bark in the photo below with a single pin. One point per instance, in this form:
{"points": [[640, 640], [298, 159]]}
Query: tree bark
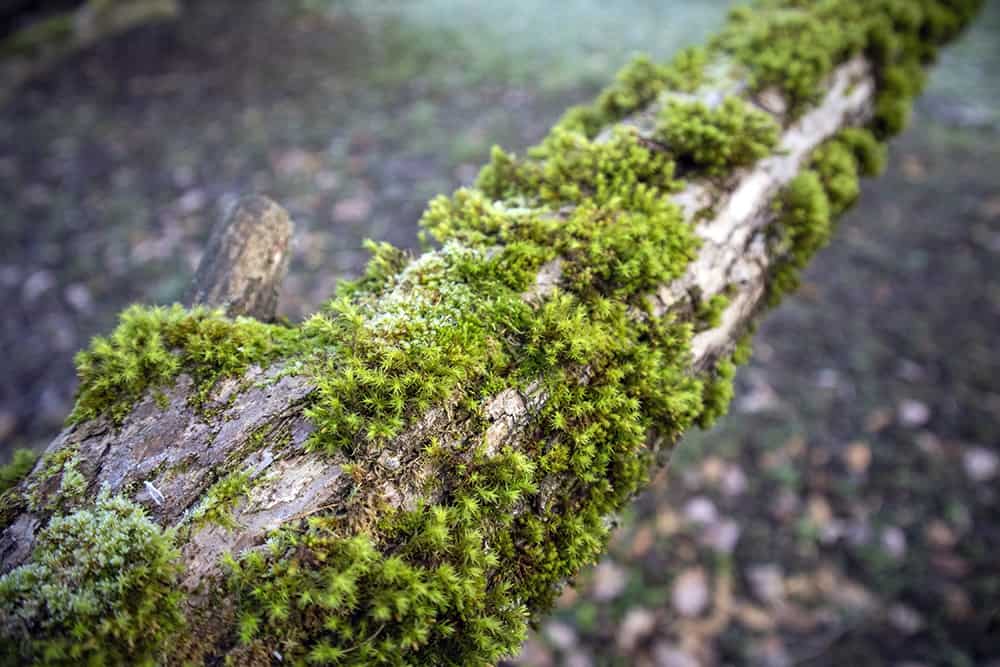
{"points": [[245, 261]]}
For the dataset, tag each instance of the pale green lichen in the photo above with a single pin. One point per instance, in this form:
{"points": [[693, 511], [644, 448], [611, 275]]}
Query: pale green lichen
{"points": [[100, 590]]}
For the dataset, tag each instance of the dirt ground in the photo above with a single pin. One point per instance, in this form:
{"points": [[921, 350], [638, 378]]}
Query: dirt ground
{"points": [[845, 512]]}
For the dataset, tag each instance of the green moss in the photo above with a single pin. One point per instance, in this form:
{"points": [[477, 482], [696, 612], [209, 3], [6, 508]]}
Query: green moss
{"points": [[220, 499], [12, 500], [636, 85], [100, 590], [803, 228], [422, 596], [152, 346], [708, 314], [718, 139], [569, 167], [21, 463], [44, 494]]}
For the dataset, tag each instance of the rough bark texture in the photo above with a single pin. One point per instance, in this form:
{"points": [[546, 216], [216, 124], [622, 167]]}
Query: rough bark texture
{"points": [[245, 260], [167, 454]]}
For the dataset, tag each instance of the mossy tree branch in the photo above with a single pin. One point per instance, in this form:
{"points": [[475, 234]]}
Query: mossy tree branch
{"points": [[414, 472]]}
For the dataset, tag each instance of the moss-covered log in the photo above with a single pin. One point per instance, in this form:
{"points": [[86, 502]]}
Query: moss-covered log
{"points": [[410, 476]]}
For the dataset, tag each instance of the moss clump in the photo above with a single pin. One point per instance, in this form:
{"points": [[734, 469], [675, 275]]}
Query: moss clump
{"points": [[812, 200], [11, 474], [716, 139], [569, 167], [804, 227], [793, 45], [636, 85], [100, 589], [221, 498], [152, 346], [708, 314], [422, 595], [43, 494], [20, 465], [380, 358]]}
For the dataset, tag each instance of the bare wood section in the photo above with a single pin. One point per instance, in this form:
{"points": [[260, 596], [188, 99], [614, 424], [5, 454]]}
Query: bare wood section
{"points": [[246, 260]]}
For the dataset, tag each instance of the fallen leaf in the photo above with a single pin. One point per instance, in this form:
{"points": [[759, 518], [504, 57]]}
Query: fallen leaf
{"points": [[690, 592]]}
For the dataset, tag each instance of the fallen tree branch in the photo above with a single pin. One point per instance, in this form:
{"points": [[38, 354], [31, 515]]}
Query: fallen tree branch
{"points": [[43, 42], [412, 473]]}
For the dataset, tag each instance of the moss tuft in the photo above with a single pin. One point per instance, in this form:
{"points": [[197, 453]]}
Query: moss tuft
{"points": [[719, 139], [220, 499], [152, 346], [20, 465], [100, 590]]}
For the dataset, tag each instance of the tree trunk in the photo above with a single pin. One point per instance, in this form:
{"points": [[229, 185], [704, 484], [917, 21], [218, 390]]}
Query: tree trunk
{"points": [[275, 475]]}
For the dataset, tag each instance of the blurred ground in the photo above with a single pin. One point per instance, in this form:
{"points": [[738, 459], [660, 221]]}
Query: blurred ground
{"points": [[845, 511]]}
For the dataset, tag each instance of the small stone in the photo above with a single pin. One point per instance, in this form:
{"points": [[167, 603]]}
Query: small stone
{"points": [[980, 464], [827, 378], [940, 534], [700, 510], [913, 413], [910, 371], [767, 582], [877, 420], [638, 623], [191, 201], [690, 592], [734, 481], [79, 297], [327, 180], [609, 581], [712, 469], [578, 659], [642, 542], [37, 284]]}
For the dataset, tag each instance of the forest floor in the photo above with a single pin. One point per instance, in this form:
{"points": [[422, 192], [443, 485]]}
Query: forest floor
{"points": [[847, 508]]}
